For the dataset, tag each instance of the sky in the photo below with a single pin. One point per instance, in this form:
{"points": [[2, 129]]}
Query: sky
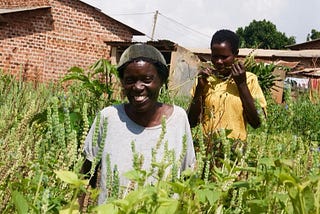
{"points": [[191, 23]]}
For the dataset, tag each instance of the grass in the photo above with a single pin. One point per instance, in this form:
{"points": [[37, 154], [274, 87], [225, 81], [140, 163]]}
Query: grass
{"points": [[42, 129]]}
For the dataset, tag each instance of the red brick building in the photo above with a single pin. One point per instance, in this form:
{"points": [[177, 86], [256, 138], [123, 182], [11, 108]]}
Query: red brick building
{"points": [[42, 39]]}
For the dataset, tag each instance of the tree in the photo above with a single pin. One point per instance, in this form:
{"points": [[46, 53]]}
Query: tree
{"points": [[263, 34], [313, 35]]}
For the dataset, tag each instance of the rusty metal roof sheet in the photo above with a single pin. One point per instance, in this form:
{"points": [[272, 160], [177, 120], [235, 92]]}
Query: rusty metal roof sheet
{"points": [[280, 53], [287, 64], [310, 72], [268, 53], [301, 45], [162, 45]]}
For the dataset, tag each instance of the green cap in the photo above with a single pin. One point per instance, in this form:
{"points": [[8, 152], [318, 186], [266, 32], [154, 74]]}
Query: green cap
{"points": [[141, 50]]}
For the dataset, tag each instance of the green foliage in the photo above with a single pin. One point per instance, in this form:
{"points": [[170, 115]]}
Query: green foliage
{"points": [[265, 77], [92, 80], [313, 35], [99, 81], [264, 72], [263, 34], [167, 97], [38, 139], [277, 172], [20, 202], [75, 182]]}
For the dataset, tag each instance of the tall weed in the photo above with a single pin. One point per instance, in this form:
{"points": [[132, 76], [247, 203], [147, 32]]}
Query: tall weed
{"points": [[42, 129]]}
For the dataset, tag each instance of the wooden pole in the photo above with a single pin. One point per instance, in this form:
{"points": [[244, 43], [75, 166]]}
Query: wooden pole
{"points": [[154, 24]]}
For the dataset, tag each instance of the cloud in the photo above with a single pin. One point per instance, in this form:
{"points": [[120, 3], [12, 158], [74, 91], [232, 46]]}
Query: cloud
{"points": [[293, 17]]}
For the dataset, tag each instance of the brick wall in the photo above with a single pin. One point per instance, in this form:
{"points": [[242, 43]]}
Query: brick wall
{"points": [[42, 44]]}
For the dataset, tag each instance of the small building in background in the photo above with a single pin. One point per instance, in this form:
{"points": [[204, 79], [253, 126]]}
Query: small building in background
{"points": [[304, 65], [41, 39], [185, 63], [309, 45]]}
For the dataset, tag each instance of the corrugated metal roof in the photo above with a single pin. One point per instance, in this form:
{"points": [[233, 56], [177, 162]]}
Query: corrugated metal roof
{"points": [[310, 72], [162, 45], [268, 53], [21, 9], [280, 53], [303, 43], [287, 64]]}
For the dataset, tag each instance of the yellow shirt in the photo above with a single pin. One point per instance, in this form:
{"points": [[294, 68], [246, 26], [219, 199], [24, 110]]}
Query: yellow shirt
{"points": [[223, 107]]}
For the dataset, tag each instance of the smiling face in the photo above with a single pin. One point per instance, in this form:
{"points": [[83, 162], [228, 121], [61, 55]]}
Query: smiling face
{"points": [[222, 57], [141, 84]]}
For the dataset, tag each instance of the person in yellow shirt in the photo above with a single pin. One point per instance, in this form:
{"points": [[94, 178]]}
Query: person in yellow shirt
{"points": [[224, 95]]}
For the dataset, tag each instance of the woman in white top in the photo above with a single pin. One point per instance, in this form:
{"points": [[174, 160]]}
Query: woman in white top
{"points": [[142, 71]]}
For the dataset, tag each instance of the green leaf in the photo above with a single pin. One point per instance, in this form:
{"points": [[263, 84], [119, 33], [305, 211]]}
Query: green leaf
{"points": [[293, 193], [309, 200], [70, 178], [287, 178], [76, 70], [267, 161], [178, 187], [282, 197], [76, 76], [135, 175], [213, 197], [73, 208], [20, 202], [68, 211], [258, 206], [239, 184], [201, 194], [106, 209], [167, 205], [287, 162], [67, 176], [314, 178], [123, 204], [206, 194]]}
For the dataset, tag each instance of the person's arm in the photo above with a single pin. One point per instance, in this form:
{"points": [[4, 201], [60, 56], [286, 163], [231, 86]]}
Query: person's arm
{"points": [[196, 106], [249, 108]]}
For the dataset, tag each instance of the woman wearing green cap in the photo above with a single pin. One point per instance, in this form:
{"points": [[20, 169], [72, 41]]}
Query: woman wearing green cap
{"points": [[142, 71]]}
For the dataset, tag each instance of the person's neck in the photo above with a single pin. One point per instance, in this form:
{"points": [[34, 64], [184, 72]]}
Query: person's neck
{"points": [[148, 118]]}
